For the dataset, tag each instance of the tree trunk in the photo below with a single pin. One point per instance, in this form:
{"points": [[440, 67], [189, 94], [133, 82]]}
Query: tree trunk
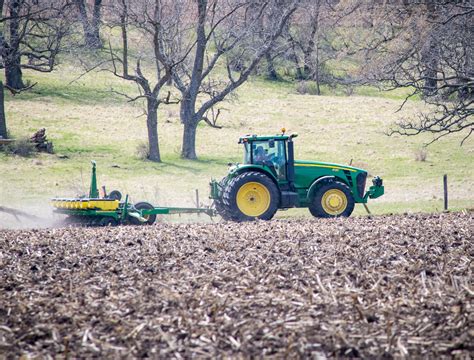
{"points": [[188, 119], [294, 58], [430, 55], [95, 24], [13, 74], [317, 81], [430, 66], [3, 122], [91, 28], [189, 141], [308, 51], [316, 73], [152, 127], [466, 91], [299, 69], [307, 70], [188, 101], [187, 115], [271, 72]]}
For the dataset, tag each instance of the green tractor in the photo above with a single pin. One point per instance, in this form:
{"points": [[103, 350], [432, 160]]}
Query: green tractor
{"points": [[270, 179]]}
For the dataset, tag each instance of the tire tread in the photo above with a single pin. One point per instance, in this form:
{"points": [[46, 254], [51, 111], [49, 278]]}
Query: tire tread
{"points": [[232, 212], [316, 209]]}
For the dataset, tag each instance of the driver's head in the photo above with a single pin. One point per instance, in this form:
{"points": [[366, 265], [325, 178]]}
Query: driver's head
{"points": [[259, 150]]}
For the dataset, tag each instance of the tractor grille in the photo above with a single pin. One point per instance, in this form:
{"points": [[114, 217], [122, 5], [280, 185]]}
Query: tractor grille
{"points": [[349, 177], [361, 179]]}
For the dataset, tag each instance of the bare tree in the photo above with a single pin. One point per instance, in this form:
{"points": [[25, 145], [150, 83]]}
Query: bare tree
{"points": [[219, 27], [33, 30], [425, 46], [314, 39], [158, 29], [443, 72], [302, 36], [90, 23], [280, 45]]}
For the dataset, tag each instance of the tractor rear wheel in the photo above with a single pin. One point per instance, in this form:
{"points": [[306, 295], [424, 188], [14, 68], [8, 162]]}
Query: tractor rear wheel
{"points": [[249, 196], [332, 199], [150, 219], [222, 210], [219, 203]]}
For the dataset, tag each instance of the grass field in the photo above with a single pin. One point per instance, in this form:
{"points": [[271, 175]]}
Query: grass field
{"points": [[86, 121]]}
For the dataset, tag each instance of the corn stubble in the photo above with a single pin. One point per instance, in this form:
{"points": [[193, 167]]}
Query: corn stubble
{"points": [[398, 286]]}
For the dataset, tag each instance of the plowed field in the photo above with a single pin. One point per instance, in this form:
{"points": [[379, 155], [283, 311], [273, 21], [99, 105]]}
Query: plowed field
{"points": [[388, 286]]}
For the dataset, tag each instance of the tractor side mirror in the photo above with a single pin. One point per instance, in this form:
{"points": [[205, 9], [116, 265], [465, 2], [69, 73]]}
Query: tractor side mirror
{"points": [[271, 143]]}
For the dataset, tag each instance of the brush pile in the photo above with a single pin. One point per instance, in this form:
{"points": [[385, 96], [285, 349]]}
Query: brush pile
{"points": [[398, 286], [41, 142]]}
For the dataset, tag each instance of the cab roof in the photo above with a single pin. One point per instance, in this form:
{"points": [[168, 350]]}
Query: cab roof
{"points": [[248, 138]]}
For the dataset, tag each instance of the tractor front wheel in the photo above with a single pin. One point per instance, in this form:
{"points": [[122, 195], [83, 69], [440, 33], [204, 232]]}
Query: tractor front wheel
{"points": [[333, 199], [249, 196]]}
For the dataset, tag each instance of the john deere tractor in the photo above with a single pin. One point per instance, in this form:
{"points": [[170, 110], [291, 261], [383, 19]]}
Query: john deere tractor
{"points": [[270, 179]]}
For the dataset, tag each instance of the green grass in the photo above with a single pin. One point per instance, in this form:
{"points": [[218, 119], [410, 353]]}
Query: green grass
{"points": [[85, 120]]}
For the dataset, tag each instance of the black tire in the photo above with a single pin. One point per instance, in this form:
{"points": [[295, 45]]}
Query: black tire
{"points": [[115, 195], [316, 207], [222, 210], [108, 221], [143, 206], [229, 197], [219, 203]]}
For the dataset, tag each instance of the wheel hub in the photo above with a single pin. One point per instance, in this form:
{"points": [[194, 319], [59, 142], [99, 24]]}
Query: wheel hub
{"points": [[334, 202], [253, 199]]}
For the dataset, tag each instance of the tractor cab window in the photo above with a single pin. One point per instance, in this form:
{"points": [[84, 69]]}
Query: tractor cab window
{"points": [[247, 153], [271, 153]]}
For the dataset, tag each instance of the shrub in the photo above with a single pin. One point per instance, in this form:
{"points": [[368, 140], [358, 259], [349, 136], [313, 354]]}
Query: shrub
{"points": [[143, 151], [307, 87], [421, 155], [21, 146], [348, 90]]}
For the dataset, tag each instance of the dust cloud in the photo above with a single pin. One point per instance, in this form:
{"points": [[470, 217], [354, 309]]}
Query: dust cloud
{"points": [[27, 216]]}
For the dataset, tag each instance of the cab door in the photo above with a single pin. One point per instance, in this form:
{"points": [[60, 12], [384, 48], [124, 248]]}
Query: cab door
{"points": [[272, 154]]}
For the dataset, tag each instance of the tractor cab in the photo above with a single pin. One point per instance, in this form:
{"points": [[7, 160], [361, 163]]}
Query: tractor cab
{"points": [[272, 152]]}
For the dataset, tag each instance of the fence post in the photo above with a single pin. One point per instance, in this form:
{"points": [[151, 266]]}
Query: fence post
{"points": [[197, 198], [445, 186]]}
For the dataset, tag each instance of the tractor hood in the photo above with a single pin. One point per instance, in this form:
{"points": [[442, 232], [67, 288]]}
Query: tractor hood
{"points": [[325, 165], [236, 167]]}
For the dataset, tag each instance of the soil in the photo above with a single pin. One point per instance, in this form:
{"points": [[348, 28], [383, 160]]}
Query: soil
{"points": [[388, 286]]}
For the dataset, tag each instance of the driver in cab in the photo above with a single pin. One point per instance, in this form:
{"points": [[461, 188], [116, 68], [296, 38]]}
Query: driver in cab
{"points": [[260, 156]]}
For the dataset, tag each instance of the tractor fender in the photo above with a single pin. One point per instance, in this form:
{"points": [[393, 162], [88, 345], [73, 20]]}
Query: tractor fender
{"points": [[245, 169], [318, 182]]}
